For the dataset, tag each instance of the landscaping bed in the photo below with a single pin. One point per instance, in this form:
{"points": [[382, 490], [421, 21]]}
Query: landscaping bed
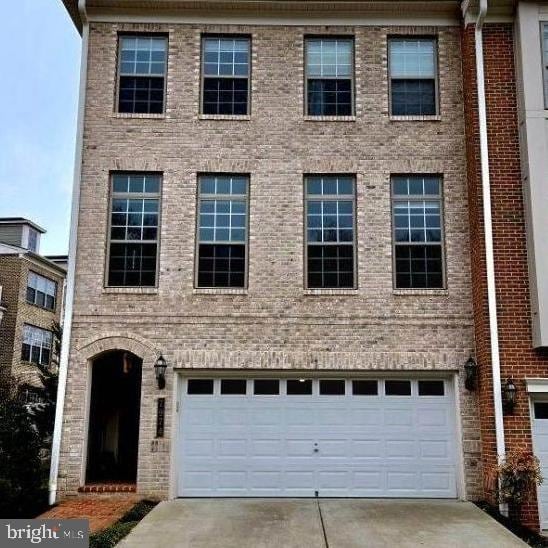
{"points": [[529, 536], [113, 534]]}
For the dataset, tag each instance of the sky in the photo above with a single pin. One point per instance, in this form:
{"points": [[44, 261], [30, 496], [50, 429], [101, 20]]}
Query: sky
{"points": [[40, 59]]}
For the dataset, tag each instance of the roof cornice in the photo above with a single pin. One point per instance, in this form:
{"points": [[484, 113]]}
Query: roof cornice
{"points": [[104, 8]]}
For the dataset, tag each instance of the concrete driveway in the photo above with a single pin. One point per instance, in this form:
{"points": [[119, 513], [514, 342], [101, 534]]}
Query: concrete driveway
{"points": [[323, 523]]}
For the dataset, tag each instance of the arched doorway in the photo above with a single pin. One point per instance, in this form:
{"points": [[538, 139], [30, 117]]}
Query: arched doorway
{"points": [[113, 437]]}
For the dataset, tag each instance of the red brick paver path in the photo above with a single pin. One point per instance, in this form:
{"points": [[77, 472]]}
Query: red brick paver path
{"points": [[101, 511]]}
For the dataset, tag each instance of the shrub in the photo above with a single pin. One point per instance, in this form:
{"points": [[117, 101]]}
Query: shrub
{"points": [[519, 474]]}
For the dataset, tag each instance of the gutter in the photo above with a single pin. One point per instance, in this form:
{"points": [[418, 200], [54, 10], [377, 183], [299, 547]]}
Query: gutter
{"points": [[488, 235], [69, 303]]}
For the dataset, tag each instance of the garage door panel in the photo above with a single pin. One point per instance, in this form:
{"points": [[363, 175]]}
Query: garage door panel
{"points": [[357, 446]]}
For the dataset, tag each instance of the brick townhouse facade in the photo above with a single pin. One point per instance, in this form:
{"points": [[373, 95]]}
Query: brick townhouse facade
{"points": [[282, 206], [272, 202], [32, 297]]}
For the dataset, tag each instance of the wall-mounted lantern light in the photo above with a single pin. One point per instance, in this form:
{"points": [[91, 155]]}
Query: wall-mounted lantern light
{"points": [[471, 374], [509, 391], [160, 369]]}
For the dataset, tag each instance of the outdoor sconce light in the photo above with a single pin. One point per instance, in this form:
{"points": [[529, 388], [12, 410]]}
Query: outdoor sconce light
{"points": [[509, 391], [471, 372], [160, 369]]}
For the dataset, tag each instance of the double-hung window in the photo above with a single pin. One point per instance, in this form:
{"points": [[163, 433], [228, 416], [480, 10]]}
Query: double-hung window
{"points": [[134, 225], [330, 231], [329, 76], [222, 231], [413, 79], [418, 233], [36, 345], [226, 75], [41, 291], [142, 74]]}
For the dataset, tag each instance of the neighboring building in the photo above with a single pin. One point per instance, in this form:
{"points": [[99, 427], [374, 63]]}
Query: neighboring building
{"points": [[31, 297], [273, 198], [515, 47]]}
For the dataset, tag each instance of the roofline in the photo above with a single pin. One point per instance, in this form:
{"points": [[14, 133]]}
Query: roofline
{"points": [[30, 255], [21, 221]]}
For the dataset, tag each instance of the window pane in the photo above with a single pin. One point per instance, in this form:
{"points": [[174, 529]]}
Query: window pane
{"points": [[365, 388], [225, 96], [541, 410], [200, 386], [431, 388], [329, 57], [329, 97], [266, 387], [412, 57], [141, 94], [330, 266], [233, 386], [397, 388], [299, 387], [413, 97], [143, 54], [332, 387]]}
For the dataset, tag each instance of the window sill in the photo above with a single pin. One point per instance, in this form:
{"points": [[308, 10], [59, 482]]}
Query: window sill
{"points": [[234, 117], [138, 115], [131, 290], [309, 118], [421, 292], [219, 291], [333, 292], [429, 118]]}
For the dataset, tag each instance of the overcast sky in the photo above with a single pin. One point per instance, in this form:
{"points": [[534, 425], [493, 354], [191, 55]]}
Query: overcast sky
{"points": [[40, 59]]}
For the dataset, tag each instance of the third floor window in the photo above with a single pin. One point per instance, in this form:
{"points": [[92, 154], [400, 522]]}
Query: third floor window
{"points": [[225, 75], [413, 76], [142, 74], [41, 291], [329, 76]]}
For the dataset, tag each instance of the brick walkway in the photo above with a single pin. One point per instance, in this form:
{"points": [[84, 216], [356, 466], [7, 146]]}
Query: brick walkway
{"points": [[101, 511]]}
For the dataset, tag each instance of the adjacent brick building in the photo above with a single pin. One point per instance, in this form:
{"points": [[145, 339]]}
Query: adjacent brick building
{"points": [[514, 54], [32, 297]]}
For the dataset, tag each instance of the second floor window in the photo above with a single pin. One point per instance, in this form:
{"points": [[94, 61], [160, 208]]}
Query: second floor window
{"points": [[142, 74], [330, 232], [226, 75], [222, 231], [134, 226], [413, 81], [36, 345], [418, 233], [41, 291], [329, 76]]}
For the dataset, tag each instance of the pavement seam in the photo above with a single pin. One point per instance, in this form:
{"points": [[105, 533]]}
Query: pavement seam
{"points": [[323, 524]]}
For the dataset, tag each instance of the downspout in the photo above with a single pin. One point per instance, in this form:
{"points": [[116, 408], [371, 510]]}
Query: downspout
{"points": [[69, 302], [488, 234]]}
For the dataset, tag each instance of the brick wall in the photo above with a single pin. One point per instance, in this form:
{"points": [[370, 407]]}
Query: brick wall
{"points": [[10, 272], [274, 324], [518, 358]]}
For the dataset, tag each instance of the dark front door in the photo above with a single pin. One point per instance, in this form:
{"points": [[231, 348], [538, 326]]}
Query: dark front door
{"points": [[114, 418]]}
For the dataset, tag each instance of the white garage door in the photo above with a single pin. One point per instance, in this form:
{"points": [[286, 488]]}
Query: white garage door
{"points": [[316, 437], [540, 444]]}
